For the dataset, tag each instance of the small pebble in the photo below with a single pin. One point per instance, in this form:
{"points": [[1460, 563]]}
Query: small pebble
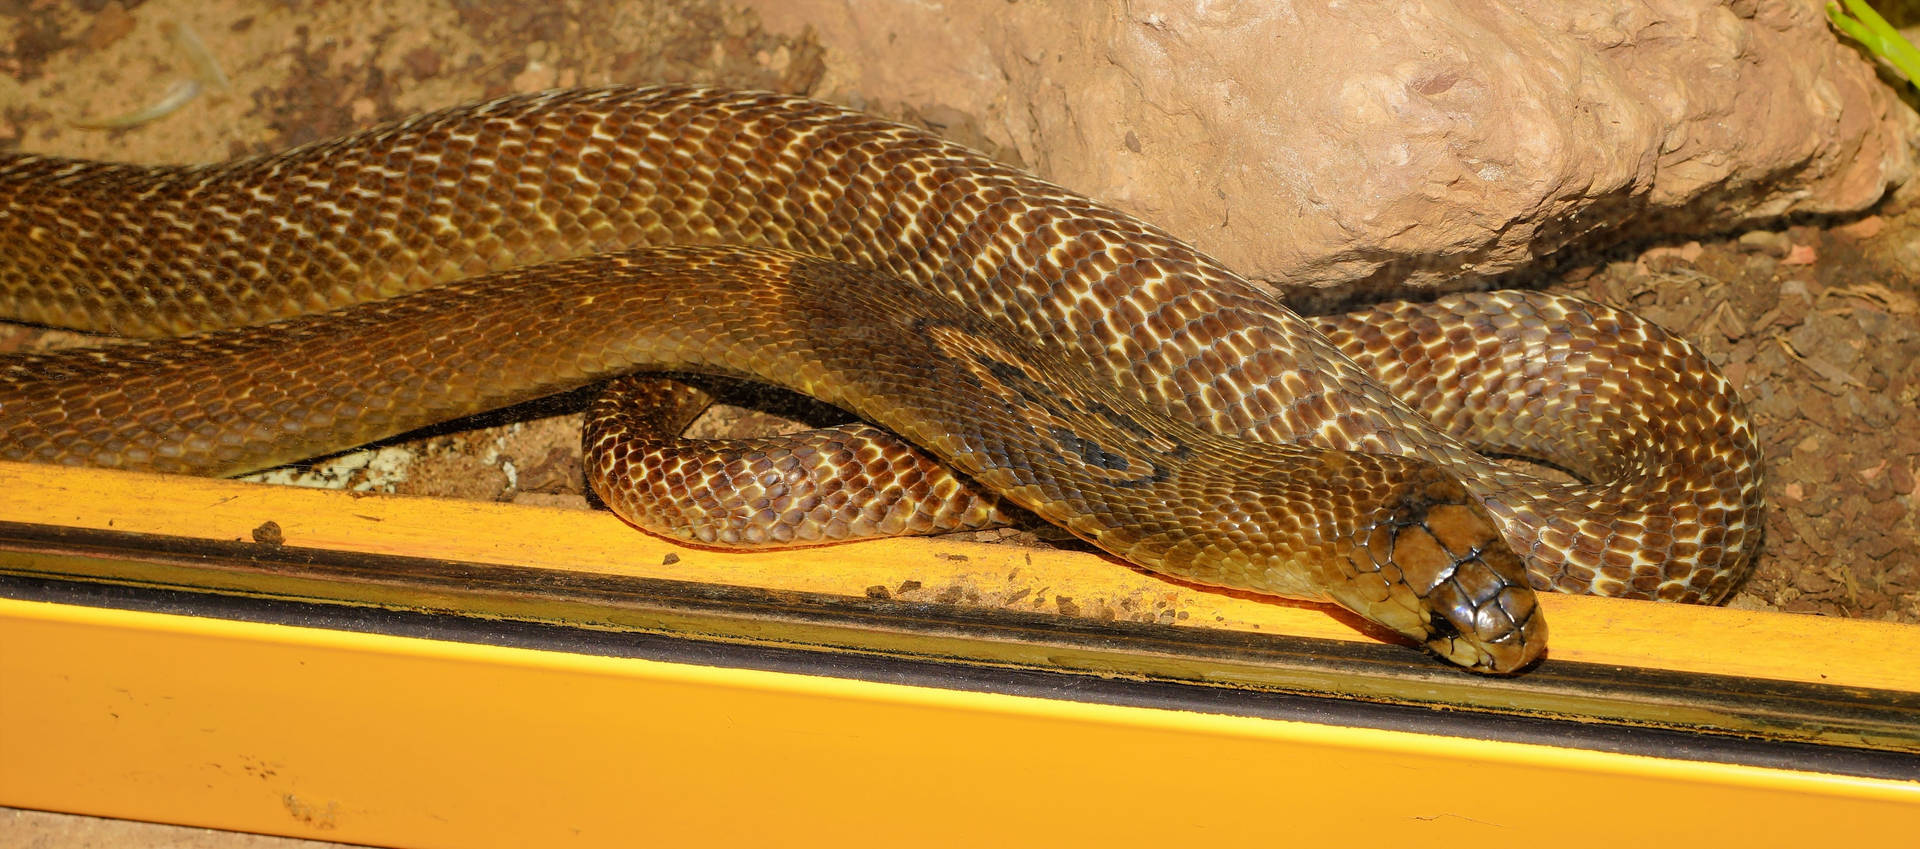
{"points": [[1768, 242]]}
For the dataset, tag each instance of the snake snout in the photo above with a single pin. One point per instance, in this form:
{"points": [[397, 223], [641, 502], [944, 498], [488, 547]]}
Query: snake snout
{"points": [[1435, 568], [1481, 612]]}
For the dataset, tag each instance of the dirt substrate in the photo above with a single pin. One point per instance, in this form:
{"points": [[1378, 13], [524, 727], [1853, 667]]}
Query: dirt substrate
{"points": [[1815, 323], [1820, 330]]}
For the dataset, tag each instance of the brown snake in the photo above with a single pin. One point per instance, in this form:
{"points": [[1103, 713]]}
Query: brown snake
{"points": [[1062, 355]]}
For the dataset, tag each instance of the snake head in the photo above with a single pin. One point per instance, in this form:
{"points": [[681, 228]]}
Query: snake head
{"points": [[1433, 566]]}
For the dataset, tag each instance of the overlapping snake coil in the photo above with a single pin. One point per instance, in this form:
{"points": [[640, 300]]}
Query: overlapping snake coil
{"points": [[1055, 353]]}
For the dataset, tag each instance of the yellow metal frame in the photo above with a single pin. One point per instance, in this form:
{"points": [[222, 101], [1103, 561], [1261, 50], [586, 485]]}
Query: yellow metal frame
{"points": [[1678, 638], [412, 742]]}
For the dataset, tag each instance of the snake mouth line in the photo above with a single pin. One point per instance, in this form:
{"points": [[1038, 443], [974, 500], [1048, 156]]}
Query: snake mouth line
{"points": [[1436, 569]]}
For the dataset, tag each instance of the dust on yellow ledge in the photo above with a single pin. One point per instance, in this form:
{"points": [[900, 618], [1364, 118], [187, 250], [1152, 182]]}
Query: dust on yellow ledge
{"points": [[1677, 637]]}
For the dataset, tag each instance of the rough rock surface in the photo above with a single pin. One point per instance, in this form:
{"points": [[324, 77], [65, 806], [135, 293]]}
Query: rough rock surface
{"points": [[1327, 143]]}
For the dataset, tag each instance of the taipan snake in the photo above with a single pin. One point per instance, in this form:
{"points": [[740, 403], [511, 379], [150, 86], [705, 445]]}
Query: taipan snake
{"points": [[1055, 353]]}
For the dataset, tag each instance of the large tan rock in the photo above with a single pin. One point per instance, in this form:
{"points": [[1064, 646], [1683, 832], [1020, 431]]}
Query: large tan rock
{"points": [[1325, 143]]}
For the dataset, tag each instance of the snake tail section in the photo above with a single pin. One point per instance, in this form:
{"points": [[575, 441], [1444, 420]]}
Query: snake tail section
{"points": [[820, 486]]}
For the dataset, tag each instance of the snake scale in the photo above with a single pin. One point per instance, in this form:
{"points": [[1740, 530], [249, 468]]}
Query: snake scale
{"points": [[1045, 350]]}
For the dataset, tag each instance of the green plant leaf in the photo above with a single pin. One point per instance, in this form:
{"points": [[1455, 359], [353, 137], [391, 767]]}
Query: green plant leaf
{"points": [[1861, 23]]}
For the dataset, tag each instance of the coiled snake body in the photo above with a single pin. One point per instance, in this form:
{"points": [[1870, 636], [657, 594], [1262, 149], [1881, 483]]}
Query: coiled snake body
{"points": [[1056, 353]]}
